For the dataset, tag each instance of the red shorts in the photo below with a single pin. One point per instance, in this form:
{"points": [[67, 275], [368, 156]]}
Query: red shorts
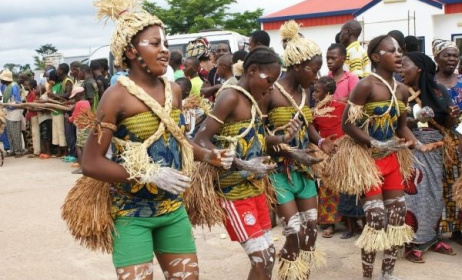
{"points": [[246, 218], [392, 177]]}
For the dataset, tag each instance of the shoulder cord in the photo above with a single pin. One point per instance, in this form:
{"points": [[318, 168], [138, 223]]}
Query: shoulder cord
{"points": [[166, 121], [294, 104], [394, 99], [254, 111]]}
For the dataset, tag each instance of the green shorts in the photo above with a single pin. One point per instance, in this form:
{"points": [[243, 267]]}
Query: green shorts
{"points": [[136, 239], [301, 187]]}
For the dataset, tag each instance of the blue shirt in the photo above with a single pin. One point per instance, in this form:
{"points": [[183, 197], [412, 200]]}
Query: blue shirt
{"points": [[116, 77]]}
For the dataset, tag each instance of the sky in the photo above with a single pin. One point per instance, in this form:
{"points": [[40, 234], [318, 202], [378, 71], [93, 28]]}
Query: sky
{"points": [[71, 26]]}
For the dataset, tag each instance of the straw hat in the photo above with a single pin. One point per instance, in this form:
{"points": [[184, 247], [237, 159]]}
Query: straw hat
{"points": [[6, 76], [75, 91]]}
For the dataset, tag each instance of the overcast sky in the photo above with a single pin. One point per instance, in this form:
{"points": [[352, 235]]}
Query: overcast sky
{"points": [[71, 26]]}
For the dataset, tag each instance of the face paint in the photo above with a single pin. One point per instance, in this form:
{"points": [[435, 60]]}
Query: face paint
{"points": [[263, 75], [395, 44], [162, 41], [382, 52], [143, 43]]}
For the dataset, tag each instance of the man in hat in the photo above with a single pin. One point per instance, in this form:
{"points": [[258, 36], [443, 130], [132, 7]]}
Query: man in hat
{"points": [[12, 95]]}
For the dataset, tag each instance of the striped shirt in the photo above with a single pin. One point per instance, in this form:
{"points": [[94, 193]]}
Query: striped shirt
{"points": [[357, 61]]}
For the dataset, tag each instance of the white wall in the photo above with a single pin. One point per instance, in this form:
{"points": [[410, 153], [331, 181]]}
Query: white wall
{"points": [[446, 25], [382, 18], [324, 36]]}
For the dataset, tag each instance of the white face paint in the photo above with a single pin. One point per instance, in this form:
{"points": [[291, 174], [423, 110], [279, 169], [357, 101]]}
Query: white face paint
{"points": [[163, 40], [143, 43], [395, 44]]}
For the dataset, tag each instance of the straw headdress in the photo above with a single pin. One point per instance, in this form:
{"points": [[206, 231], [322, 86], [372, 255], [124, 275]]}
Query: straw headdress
{"points": [[130, 19], [298, 49]]}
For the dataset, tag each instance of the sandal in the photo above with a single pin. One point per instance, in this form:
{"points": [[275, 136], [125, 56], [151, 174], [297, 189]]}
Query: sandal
{"points": [[77, 171], [414, 256], [347, 235], [443, 248], [329, 231]]}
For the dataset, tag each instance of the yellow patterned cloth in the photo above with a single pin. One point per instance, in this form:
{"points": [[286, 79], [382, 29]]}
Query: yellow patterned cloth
{"points": [[146, 200], [381, 125], [281, 116], [241, 184]]}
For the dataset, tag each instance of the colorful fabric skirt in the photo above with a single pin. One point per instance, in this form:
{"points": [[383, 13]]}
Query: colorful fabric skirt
{"points": [[327, 206]]}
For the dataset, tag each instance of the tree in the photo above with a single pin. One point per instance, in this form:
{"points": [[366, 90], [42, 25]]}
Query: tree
{"points": [[189, 16], [42, 52], [244, 23]]}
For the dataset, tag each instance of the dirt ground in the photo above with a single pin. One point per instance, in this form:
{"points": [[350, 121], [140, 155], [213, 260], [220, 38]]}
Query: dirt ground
{"points": [[35, 244]]}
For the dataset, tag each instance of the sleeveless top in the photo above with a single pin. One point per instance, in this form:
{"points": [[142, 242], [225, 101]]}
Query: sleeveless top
{"points": [[146, 200], [281, 116], [240, 184]]}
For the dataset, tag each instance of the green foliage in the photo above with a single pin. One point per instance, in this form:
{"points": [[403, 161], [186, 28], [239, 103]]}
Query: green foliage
{"points": [[44, 50], [189, 16], [16, 69]]}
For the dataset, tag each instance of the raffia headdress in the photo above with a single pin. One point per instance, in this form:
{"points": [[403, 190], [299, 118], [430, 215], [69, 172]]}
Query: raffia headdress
{"points": [[130, 19], [298, 49]]}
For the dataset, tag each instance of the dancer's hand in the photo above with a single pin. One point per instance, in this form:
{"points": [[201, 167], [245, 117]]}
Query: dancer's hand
{"points": [[328, 145], [256, 165], [427, 147], [294, 127], [454, 111], [169, 180], [303, 156], [391, 145], [220, 158], [424, 114]]}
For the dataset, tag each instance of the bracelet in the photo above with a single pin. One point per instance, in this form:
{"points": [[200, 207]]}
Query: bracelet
{"points": [[320, 142], [283, 141]]}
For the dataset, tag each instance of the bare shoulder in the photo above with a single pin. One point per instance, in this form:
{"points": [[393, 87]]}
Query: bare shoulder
{"points": [[362, 92], [176, 91], [402, 92]]}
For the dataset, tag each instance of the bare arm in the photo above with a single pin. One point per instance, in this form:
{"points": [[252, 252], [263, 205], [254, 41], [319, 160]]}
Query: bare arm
{"points": [[359, 96], [209, 91], [94, 161]]}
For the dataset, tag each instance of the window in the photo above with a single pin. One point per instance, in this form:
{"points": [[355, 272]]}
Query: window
{"points": [[421, 43], [457, 38]]}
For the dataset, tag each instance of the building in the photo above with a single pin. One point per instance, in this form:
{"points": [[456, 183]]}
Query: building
{"points": [[321, 20]]}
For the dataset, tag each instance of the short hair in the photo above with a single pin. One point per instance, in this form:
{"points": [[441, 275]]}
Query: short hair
{"points": [[184, 81], [226, 60], [95, 65], [262, 37], [354, 26], [373, 45], [328, 84], [412, 43], [52, 75], [337, 38], [64, 67], [340, 47], [176, 57], [76, 64], [398, 36], [239, 55], [260, 56], [32, 83], [85, 68], [195, 61]]}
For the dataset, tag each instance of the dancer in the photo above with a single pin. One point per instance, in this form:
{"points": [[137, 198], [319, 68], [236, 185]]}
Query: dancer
{"points": [[235, 122], [152, 158], [290, 120], [374, 115]]}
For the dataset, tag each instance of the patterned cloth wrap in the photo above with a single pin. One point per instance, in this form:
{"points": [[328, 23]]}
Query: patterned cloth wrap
{"points": [[240, 184], [381, 128], [281, 116], [146, 200]]}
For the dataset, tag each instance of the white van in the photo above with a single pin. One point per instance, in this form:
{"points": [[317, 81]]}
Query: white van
{"points": [[235, 40]]}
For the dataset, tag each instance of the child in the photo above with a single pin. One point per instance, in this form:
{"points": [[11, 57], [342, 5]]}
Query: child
{"points": [[356, 61], [374, 115], [345, 81], [45, 123], [189, 113], [141, 116], [81, 105], [237, 123], [191, 66], [32, 116], [290, 121]]}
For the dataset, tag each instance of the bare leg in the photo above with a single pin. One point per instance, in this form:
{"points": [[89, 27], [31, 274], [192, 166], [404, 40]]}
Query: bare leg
{"points": [[142, 271], [261, 255], [375, 225], [179, 266]]}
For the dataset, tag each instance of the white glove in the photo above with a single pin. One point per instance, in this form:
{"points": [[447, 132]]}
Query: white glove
{"points": [[390, 145], [220, 158], [424, 115], [255, 165], [168, 179]]}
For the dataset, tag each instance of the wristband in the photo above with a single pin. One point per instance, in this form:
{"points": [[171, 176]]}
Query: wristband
{"points": [[320, 142]]}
